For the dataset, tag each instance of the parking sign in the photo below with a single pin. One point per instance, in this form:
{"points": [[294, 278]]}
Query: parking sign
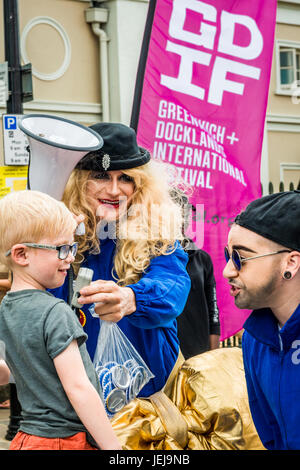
{"points": [[10, 122], [15, 141]]}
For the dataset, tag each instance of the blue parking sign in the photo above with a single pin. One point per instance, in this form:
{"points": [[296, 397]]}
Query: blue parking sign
{"points": [[15, 141], [10, 122]]}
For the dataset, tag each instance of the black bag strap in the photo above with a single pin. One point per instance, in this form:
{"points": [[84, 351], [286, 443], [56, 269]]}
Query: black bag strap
{"points": [[71, 290]]}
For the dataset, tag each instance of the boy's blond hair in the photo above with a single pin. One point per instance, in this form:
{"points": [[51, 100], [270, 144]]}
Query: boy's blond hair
{"points": [[30, 216]]}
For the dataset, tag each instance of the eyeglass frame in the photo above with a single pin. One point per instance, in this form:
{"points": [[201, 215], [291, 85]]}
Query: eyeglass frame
{"points": [[242, 260], [50, 247]]}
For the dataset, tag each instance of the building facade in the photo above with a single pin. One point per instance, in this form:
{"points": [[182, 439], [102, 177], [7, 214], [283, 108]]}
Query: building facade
{"points": [[281, 153], [84, 58]]}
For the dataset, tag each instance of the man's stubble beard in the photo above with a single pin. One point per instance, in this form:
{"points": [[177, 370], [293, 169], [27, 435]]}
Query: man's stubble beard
{"points": [[259, 297]]}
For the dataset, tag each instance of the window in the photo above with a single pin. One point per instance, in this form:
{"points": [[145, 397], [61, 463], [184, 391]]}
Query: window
{"points": [[288, 66]]}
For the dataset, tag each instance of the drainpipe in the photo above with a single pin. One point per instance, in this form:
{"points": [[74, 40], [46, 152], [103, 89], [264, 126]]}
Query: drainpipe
{"points": [[96, 16]]}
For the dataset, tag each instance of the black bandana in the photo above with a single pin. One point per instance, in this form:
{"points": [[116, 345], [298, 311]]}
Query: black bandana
{"points": [[276, 217]]}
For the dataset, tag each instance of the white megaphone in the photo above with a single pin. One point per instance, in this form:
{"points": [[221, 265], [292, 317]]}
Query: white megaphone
{"points": [[56, 146]]}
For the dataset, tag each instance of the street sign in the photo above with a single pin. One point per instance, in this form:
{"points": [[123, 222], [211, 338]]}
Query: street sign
{"points": [[15, 141], [3, 83], [12, 178]]}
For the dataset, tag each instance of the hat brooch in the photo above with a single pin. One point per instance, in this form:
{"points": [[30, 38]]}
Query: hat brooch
{"points": [[106, 161]]}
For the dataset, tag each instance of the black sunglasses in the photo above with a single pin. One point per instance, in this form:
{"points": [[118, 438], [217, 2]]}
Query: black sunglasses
{"points": [[238, 260]]}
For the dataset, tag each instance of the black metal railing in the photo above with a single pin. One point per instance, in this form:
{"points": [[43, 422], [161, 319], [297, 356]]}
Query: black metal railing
{"points": [[236, 340], [281, 187]]}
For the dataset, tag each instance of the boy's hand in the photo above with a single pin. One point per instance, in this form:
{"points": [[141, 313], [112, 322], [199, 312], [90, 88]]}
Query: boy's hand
{"points": [[5, 284], [112, 302], [4, 373]]}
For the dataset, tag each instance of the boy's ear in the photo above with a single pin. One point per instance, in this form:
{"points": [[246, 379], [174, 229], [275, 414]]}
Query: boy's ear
{"points": [[19, 254]]}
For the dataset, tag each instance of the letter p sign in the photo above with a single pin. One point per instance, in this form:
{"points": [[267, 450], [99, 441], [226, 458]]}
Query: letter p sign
{"points": [[10, 123]]}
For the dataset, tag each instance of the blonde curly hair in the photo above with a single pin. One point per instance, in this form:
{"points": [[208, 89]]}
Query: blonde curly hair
{"points": [[152, 225]]}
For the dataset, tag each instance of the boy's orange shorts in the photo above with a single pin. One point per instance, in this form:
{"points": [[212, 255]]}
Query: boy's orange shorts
{"points": [[23, 441]]}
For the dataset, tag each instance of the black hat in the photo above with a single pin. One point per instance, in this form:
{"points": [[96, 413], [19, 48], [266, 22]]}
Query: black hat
{"points": [[120, 150], [276, 217]]}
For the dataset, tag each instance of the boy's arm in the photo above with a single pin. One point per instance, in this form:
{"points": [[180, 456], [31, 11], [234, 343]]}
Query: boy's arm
{"points": [[4, 373], [84, 397]]}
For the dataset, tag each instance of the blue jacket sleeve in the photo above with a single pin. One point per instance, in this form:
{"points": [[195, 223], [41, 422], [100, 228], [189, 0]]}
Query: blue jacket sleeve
{"points": [[263, 418], [162, 292]]}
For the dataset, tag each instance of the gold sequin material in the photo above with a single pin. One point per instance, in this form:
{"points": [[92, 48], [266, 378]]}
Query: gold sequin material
{"points": [[207, 409]]}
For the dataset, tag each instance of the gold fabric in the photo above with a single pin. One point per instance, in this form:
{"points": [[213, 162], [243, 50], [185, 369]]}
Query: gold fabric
{"points": [[171, 418], [207, 409], [169, 384]]}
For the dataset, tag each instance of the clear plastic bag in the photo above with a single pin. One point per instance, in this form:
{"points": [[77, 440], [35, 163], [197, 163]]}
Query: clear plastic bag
{"points": [[121, 371]]}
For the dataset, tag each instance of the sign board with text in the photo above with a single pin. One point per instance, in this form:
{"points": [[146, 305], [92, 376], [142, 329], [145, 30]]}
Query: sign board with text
{"points": [[3, 83], [12, 178], [15, 141]]}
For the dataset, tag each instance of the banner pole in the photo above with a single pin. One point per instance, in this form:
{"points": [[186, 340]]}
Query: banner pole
{"points": [[142, 66]]}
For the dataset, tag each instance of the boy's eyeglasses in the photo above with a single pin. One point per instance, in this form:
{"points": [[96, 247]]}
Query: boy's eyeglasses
{"points": [[63, 250], [238, 260]]}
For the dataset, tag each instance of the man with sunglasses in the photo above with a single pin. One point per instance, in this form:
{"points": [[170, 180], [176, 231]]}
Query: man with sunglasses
{"points": [[263, 271]]}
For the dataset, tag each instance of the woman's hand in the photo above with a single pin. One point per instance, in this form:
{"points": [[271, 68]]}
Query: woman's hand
{"points": [[112, 302]]}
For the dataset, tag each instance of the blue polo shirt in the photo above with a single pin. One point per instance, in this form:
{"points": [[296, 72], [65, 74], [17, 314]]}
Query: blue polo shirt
{"points": [[272, 368], [160, 296]]}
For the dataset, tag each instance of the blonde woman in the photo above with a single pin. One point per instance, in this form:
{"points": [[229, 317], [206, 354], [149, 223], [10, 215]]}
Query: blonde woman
{"points": [[133, 228]]}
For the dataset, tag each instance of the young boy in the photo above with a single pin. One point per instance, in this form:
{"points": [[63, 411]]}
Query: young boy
{"points": [[44, 341]]}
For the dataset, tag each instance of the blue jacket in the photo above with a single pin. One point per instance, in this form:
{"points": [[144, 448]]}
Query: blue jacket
{"points": [[272, 367], [160, 297]]}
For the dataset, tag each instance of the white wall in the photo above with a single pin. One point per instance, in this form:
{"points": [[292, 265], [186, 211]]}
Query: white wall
{"points": [[125, 29]]}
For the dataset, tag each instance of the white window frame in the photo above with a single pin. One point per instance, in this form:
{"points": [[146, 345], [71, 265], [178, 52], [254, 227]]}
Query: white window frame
{"points": [[287, 167], [285, 89], [290, 1]]}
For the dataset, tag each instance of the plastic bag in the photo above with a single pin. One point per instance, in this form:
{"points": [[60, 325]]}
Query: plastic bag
{"points": [[121, 370]]}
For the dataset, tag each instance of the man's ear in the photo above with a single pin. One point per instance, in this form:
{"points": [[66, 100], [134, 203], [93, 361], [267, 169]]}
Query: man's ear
{"points": [[293, 263], [19, 254]]}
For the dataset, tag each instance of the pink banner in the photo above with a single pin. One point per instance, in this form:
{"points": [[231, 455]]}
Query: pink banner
{"points": [[203, 109]]}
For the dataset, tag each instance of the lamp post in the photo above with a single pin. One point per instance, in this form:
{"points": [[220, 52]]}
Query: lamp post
{"points": [[12, 56], [14, 106]]}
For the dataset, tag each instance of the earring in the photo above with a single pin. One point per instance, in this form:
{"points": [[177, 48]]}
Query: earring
{"points": [[287, 275]]}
